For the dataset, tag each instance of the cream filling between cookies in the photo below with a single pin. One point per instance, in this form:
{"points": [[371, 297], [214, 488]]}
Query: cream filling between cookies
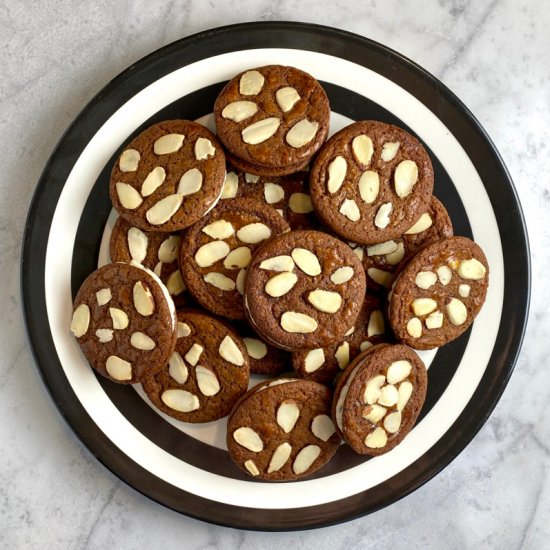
{"points": [[342, 397]]}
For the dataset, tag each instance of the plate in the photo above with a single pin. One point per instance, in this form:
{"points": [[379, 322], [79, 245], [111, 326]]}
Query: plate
{"points": [[186, 467]]}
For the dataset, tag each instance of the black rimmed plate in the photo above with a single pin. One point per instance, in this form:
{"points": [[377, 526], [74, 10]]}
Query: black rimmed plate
{"points": [[186, 467]]}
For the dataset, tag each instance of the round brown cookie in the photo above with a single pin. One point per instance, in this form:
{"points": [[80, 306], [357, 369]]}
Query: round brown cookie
{"points": [[124, 321], [250, 168], [289, 195], [206, 374], [273, 117], [156, 251], [381, 261], [304, 290], [437, 295], [284, 431], [264, 358], [169, 176], [371, 182], [379, 398], [324, 364], [216, 251]]}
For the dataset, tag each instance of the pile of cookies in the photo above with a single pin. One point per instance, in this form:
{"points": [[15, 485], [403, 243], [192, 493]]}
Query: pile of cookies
{"points": [[267, 249]]}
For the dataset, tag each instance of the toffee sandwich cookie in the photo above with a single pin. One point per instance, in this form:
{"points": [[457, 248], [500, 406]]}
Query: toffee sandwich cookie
{"points": [[272, 119], [156, 251], [438, 293], [216, 251], [125, 322], [381, 261], [205, 375], [371, 182], [304, 290], [169, 176], [289, 195], [324, 364], [283, 430], [378, 399]]}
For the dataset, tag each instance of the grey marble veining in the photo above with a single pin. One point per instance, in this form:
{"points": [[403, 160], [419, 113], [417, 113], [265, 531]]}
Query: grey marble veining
{"points": [[54, 57]]}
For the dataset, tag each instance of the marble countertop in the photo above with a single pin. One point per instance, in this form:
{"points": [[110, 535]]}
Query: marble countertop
{"points": [[494, 55]]}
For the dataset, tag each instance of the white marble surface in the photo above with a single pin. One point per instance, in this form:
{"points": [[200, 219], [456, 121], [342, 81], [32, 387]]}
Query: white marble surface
{"points": [[54, 57]]}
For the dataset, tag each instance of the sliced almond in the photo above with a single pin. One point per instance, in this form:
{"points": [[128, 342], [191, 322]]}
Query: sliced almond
{"points": [[279, 458], [140, 340], [253, 233], [314, 360], [230, 186], [219, 280], [220, 229], [383, 278], [374, 413], [350, 210], [239, 283], [388, 396], [389, 150], [405, 178], [255, 348], [168, 250], [336, 174], [424, 222], [128, 196], [137, 244], [249, 439], [395, 257], [129, 160], [278, 263], [287, 415], [398, 371], [342, 355], [143, 299], [158, 269], [194, 354], [287, 97], [425, 279], [273, 193], [180, 400], [444, 274], [382, 248], [164, 209], [464, 291], [382, 218], [118, 368], [184, 330], [307, 261], [104, 335], [207, 381], [153, 181], [238, 111], [423, 306], [350, 331], [300, 203], [260, 131], [365, 345], [363, 149], [373, 389], [231, 352], [322, 427], [238, 258], [414, 327], [434, 320], [369, 186], [392, 422], [119, 318], [376, 439], [359, 252], [80, 321], [251, 83], [326, 301], [177, 368], [342, 275], [190, 183], [280, 284], [103, 296], [302, 133], [404, 394], [208, 254], [457, 312], [471, 269], [376, 324], [251, 467], [170, 143], [295, 322], [204, 149], [305, 458], [251, 178], [175, 283]]}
